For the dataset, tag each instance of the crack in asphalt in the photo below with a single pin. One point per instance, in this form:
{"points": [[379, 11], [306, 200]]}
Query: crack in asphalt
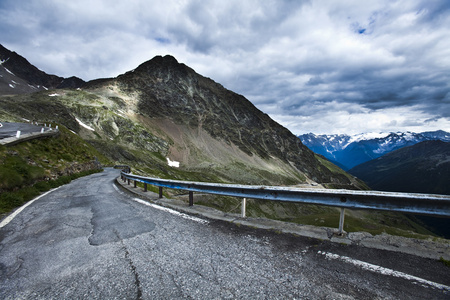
{"points": [[171, 276], [137, 282], [93, 228], [15, 267]]}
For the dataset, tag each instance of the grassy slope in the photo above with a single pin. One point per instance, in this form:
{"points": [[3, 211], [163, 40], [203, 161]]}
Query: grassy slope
{"points": [[28, 168]]}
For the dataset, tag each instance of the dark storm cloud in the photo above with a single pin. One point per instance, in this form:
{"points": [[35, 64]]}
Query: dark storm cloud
{"points": [[359, 65]]}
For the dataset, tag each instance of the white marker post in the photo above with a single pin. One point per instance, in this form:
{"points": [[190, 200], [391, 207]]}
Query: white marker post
{"points": [[244, 203], [18, 134], [341, 221]]}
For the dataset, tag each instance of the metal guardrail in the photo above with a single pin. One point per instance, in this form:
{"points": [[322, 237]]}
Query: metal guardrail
{"points": [[427, 204], [19, 137]]}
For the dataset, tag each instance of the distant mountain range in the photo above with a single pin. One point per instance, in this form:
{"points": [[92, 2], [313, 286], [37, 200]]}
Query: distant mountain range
{"points": [[349, 151]]}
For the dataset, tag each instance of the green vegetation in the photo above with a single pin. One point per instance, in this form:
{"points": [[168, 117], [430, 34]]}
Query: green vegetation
{"points": [[223, 203], [13, 199], [31, 167], [445, 262], [373, 222], [339, 173]]}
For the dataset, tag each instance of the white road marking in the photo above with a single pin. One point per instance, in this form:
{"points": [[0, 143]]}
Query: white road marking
{"points": [[172, 211], [383, 271], [14, 214], [117, 189]]}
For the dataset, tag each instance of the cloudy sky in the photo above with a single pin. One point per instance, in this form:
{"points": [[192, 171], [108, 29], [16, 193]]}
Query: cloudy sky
{"points": [[314, 66]]}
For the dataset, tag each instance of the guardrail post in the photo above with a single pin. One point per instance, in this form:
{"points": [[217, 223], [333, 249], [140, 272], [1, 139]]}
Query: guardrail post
{"points": [[160, 192], [191, 198], [135, 183], [341, 221], [145, 187], [244, 203], [128, 181]]}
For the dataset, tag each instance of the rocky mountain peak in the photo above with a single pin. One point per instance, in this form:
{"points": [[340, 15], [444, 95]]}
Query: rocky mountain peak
{"points": [[171, 90]]}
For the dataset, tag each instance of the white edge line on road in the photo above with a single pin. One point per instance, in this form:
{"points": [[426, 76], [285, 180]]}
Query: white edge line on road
{"points": [[19, 210], [383, 271], [172, 211]]}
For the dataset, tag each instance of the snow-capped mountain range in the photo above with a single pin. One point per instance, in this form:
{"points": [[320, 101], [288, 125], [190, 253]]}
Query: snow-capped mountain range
{"points": [[348, 151]]}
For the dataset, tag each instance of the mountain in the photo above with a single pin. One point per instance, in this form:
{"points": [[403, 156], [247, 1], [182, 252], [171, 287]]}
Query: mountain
{"points": [[163, 110], [421, 168], [18, 76], [349, 151], [165, 120]]}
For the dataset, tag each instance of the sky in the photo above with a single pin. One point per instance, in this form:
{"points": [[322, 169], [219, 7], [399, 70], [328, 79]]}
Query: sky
{"points": [[322, 66]]}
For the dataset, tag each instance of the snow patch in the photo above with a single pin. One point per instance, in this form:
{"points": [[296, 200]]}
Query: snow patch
{"points": [[175, 164], [53, 95], [121, 113], [367, 136], [11, 86], [84, 125]]}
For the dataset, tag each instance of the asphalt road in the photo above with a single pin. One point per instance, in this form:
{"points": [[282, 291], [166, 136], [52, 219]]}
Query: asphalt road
{"points": [[10, 129], [88, 240]]}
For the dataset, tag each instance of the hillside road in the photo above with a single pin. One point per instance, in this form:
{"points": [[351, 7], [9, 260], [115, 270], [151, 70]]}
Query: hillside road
{"points": [[10, 129], [91, 240]]}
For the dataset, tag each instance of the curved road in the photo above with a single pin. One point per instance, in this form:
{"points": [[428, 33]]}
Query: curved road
{"points": [[88, 240], [10, 129]]}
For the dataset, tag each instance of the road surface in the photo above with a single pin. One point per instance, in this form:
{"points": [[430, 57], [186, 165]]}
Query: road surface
{"points": [[10, 129], [89, 240]]}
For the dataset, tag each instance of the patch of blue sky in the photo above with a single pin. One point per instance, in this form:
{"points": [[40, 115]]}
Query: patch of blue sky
{"points": [[162, 40]]}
